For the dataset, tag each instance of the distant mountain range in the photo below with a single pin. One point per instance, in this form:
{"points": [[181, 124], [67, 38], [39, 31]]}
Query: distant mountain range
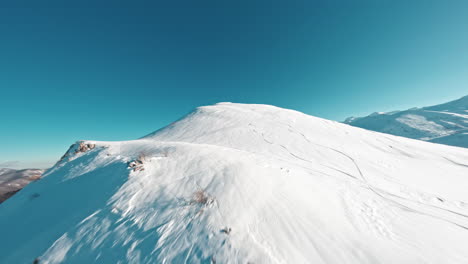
{"points": [[444, 123], [12, 181]]}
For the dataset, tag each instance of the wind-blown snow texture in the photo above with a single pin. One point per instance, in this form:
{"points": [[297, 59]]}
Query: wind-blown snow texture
{"points": [[234, 183], [445, 123]]}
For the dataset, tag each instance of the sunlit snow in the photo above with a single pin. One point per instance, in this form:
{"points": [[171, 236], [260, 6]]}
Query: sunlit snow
{"points": [[235, 183]]}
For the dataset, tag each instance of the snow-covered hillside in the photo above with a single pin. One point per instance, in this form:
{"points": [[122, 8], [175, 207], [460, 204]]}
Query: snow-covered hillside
{"points": [[234, 183], [12, 181], [445, 123]]}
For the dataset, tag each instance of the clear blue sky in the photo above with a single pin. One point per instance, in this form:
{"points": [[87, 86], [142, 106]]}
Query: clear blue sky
{"points": [[118, 70]]}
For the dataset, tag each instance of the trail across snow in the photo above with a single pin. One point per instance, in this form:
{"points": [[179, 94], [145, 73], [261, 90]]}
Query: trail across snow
{"points": [[235, 183]]}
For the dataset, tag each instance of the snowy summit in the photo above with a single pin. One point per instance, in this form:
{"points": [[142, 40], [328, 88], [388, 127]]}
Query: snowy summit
{"points": [[237, 183]]}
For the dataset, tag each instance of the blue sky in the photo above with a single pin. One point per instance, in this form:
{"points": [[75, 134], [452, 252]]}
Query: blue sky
{"points": [[118, 70]]}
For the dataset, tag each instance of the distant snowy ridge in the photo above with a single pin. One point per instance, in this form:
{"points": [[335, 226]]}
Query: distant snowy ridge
{"points": [[12, 181], [445, 123], [236, 183]]}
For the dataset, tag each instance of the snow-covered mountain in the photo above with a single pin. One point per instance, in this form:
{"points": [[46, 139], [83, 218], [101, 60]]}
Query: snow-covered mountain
{"points": [[12, 181], [234, 183], [445, 123]]}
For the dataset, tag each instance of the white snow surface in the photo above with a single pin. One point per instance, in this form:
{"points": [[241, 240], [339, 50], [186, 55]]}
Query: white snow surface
{"points": [[238, 183], [445, 123]]}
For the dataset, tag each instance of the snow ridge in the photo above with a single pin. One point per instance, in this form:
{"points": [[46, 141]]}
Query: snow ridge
{"points": [[445, 123]]}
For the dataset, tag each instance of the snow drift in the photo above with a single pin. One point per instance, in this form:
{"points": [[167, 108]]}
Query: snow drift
{"points": [[234, 183]]}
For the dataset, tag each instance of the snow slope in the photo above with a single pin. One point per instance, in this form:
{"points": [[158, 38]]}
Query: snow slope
{"points": [[445, 123], [234, 183]]}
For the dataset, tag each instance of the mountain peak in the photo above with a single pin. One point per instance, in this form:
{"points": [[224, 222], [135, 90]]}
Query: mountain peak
{"points": [[235, 183], [457, 106]]}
